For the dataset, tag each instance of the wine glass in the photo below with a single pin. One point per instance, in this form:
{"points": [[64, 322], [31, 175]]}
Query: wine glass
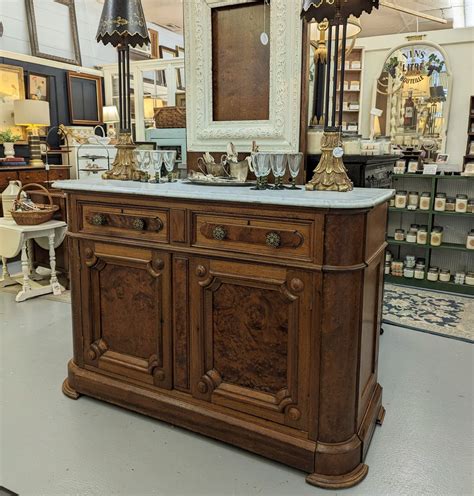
{"points": [[157, 160], [146, 164], [278, 163], [294, 165], [261, 165], [169, 156]]}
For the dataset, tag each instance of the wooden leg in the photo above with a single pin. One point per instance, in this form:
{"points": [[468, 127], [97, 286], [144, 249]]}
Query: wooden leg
{"points": [[57, 288], [69, 391], [26, 289], [6, 279]]}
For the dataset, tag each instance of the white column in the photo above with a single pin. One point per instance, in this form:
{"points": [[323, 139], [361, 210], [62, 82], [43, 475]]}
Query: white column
{"points": [[52, 260]]}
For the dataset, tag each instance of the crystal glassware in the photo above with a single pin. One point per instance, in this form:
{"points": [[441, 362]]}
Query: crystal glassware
{"points": [[157, 162], [278, 164], [294, 165], [261, 165], [169, 157]]}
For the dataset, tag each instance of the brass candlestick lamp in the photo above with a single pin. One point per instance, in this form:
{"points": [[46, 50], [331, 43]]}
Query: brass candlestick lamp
{"points": [[330, 174], [123, 24]]}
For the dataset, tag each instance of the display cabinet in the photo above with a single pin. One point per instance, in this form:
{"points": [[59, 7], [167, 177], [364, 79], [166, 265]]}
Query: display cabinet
{"points": [[452, 254]]}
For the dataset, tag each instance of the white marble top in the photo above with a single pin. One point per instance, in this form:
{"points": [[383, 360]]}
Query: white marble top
{"points": [[358, 198]]}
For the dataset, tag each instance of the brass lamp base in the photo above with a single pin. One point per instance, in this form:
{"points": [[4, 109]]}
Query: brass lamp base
{"points": [[330, 174], [124, 167]]}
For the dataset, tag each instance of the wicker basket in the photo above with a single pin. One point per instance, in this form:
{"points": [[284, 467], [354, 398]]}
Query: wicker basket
{"points": [[170, 117], [34, 217]]}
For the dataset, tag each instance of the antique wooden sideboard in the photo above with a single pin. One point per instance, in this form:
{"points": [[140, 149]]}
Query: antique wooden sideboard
{"points": [[250, 317]]}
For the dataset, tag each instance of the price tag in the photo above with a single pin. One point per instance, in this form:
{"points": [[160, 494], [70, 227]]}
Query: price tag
{"points": [[430, 169], [56, 288], [338, 152]]}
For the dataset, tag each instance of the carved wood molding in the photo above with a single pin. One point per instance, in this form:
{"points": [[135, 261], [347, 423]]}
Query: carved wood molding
{"points": [[281, 131], [97, 349]]}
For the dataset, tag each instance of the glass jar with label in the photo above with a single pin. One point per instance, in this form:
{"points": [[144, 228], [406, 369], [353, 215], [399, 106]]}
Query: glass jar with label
{"points": [[440, 202], [408, 272], [425, 200], [460, 277], [450, 205], [422, 235], [399, 235], [410, 261], [470, 240], [419, 272], [444, 275], [391, 202], [470, 207], [411, 236], [461, 204], [436, 236], [388, 256], [433, 274], [413, 199], [387, 268], [401, 199], [470, 278], [351, 144]]}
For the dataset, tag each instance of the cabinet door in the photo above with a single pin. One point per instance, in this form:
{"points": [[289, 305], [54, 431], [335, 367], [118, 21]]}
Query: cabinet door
{"points": [[250, 329], [126, 303]]}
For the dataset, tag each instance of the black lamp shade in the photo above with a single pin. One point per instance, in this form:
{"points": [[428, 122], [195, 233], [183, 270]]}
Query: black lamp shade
{"points": [[339, 10], [123, 23]]}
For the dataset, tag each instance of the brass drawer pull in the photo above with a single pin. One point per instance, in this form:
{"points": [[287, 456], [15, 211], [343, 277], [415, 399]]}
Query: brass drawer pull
{"points": [[98, 220], [138, 224], [273, 239], [219, 233]]}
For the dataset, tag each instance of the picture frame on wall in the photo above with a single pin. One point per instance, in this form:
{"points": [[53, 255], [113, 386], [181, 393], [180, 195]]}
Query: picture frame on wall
{"points": [[179, 51], [167, 52], [38, 15], [180, 99], [12, 87], [84, 98], [38, 87]]}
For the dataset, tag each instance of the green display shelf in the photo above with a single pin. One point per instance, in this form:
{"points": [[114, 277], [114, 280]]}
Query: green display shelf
{"points": [[434, 212], [444, 246], [432, 176], [437, 286]]}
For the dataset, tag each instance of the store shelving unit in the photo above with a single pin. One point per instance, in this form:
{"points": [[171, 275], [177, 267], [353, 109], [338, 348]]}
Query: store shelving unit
{"points": [[452, 254], [469, 157]]}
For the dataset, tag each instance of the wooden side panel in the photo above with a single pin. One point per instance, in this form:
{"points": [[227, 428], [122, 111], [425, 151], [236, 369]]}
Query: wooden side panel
{"points": [[181, 310], [377, 224], [240, 78]]}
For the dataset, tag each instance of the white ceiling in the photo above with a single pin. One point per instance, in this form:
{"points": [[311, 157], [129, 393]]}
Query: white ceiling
{"points": [[383, 21]]}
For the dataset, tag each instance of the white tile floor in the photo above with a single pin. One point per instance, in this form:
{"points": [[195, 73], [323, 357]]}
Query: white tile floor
{"points": [[50, 445]]}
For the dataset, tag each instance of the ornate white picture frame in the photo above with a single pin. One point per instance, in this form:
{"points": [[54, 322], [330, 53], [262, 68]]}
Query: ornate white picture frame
{"points": [[281, 130]]}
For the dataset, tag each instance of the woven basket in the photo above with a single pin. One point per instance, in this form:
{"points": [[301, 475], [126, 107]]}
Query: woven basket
{"points": [[34, 217], [170, 117]]}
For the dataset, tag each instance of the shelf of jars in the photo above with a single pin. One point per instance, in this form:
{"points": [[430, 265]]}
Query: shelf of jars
{"points": [[431, 232]]}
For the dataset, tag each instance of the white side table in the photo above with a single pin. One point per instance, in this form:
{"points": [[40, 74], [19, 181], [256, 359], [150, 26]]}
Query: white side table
{"points": [[15, 238]]}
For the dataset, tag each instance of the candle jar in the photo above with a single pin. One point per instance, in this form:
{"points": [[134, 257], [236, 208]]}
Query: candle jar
{"points": [[419, 272], [399, 235], [401, 199], [425, 200], [450, 205], [436, 236], [470, 279], [387, 268], [445, 275], [422, 235], [433, 274], [470, 240], [413, 199], [461, 204], [410, 261], [440, 202], [460, 278], [408, 272], [411, 236], [470, 207], [351, 144], [391, 203], [388, 256]]}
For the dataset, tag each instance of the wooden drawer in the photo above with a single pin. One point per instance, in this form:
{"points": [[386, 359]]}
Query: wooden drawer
{"points": [[136, 223], [6, 177], [32, 176], [58, 174], [292, 239]]}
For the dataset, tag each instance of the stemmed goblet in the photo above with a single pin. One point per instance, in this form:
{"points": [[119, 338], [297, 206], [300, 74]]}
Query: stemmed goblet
{"points": [[157, 160], [278, 163], [261, 165], [169, 156], [294, 165]]}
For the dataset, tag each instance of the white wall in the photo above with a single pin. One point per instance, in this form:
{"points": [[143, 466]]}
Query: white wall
{"points": [[16, 39], [459, 46]]}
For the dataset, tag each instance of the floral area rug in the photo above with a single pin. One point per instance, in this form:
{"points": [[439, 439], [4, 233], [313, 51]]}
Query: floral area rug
{"points": [[430, 311]]}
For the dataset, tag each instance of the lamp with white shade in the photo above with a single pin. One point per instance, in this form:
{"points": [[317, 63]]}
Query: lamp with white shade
{"points": [[110, 116], [33, 114]]}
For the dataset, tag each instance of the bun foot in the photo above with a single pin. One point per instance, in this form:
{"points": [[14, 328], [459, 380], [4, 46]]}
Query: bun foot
{"points": [[69, 391], [339, 481]]}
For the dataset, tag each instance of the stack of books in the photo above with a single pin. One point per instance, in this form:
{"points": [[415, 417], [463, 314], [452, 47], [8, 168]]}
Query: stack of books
{"points": [[12, 161]]}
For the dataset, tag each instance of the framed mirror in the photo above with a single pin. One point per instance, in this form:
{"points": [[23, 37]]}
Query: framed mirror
{"points": [[411, 97]]}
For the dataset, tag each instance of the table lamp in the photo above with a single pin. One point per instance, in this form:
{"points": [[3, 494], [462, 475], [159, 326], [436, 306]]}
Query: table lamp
{"points": [[33, 114], [123, 25], [110, 116]]}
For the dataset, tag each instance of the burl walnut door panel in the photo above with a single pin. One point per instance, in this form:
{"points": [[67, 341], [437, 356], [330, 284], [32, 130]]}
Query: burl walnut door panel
{"points": [[126, 300], [250, 327]]}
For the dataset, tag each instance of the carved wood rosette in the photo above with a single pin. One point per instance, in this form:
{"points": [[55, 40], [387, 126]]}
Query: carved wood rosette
{"points": [[246, 328], [127, 285]]}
